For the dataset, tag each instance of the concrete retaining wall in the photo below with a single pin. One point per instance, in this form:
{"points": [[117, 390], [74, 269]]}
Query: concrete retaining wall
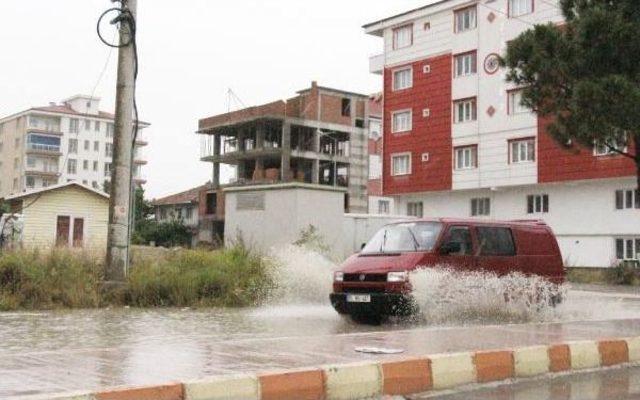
{"points": [[400, 376]]}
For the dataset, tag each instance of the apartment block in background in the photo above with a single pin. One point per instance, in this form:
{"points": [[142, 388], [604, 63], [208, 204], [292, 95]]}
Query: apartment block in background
{"points": [[458, 143], [67, 142], [317, 137]]}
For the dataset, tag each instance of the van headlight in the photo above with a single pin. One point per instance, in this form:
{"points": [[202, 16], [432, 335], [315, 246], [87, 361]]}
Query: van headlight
{"points": [[397, 276], [338, 276]]}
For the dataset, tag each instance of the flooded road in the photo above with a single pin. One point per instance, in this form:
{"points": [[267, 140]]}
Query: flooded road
{"points": [[51, 352]]}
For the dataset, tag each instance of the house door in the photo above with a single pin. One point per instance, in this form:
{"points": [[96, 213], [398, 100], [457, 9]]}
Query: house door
{"points": [[78, 232], [62, 230]]}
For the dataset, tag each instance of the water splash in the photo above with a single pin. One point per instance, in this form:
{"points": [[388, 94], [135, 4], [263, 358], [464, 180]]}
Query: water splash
{"points": [[446, 296]]}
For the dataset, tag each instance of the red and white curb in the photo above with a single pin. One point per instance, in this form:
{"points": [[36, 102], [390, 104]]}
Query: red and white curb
{"points": [[401, 376]]}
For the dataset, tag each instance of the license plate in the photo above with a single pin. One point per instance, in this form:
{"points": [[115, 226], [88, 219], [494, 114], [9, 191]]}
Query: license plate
{"points": [[359, 298]]}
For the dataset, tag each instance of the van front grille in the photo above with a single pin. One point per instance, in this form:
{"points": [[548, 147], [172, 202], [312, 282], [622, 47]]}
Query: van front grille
{"points": [[365, 277]]}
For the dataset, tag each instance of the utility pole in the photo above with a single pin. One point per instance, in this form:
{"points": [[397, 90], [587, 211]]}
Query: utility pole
{"points": [[119, 202]]}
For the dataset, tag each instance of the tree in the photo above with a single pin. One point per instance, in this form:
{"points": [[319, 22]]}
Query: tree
{"points": [[584, 75], [143, 208]]}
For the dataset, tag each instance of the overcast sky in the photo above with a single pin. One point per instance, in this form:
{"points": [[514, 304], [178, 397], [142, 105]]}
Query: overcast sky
{"points": [[191, 53]]}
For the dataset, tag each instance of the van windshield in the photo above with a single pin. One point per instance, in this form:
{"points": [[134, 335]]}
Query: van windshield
{"points": [[404, 237]]}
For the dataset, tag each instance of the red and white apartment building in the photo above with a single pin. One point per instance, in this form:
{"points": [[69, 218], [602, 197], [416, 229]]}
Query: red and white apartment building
{"points": [[457, 142]]}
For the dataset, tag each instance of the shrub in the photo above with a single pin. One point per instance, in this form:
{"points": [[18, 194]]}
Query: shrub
{"points": [[166, 234], [622, 274]]}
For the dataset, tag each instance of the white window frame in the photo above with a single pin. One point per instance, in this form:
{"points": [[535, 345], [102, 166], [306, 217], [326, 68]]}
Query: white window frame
{"points": [[518, 147], [393, 165], [630, 199], [469, 111], [396, 36], [406, 83], [394, 125], [601, 150], [415, 209], [465, 157], [635, 247], [72, 166], [538, 204], [465, 19], [375, 166], [523, 7], [384, 206], [480, 206], [514, 99], [465, 64]]}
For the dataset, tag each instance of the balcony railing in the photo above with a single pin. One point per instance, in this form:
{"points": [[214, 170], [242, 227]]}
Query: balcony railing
{"points": [[43, 147]]}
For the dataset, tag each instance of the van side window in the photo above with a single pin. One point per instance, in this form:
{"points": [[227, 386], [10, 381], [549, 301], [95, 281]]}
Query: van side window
{"points": [[495, 241], [462, 235]]}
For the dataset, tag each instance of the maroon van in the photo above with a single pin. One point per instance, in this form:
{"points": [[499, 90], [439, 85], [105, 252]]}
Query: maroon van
{"points": [[375, 282]]}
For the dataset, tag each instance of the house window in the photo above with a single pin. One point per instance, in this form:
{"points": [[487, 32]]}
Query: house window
{"points": [[609, 147], [415, 209], [31, 182], [514, 105], [403, 37], [480, 207], [74, 125], [465, 110], [346, 107], [627, 199], [465, 19], [85, 165], [401, 164], [401, 121], [108, 149], [110, 129], [522, 151], [72, 166], [520, 7], [402, 79], [107, 169], [466, 157], [465, 64], [87, 145], [73, 146], [95, 165], [628, 248], [96, 146], [87, 125], [537, 204], [189, 211], [96, 126], [383, 206]]}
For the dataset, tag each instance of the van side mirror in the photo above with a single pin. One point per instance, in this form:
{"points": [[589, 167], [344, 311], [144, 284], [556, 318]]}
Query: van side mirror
{"points": [[450, 247]]}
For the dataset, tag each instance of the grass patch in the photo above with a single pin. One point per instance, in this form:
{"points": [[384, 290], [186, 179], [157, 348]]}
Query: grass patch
{"points": [[30, 279]]}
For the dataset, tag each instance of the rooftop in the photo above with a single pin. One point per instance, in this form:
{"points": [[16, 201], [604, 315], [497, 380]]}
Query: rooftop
{"points": [[402, 14], [188, 196], [56, 187]]}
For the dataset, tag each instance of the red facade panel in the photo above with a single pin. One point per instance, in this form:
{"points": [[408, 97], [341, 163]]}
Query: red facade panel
{"points": [[431, 134], [558, 164]]}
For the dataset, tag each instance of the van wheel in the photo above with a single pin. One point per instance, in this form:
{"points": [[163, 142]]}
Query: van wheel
{"points": [[368, 319]]}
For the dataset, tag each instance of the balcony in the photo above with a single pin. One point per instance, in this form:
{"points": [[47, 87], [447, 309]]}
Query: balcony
{"points": [[376, 64], [50, 171], [45, 149]]}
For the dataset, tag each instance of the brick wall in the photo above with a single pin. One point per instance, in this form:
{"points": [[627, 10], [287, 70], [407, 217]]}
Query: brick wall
{"points": [[429, 135]]}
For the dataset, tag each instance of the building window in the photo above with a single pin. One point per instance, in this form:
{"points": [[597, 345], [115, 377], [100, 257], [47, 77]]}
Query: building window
{"points": [[401, 164], [522, 150], [16, 143], [611, 147], [72, 167], [96, 146], [95, 165], [480, 207], [627, 199], [628, 248], [415, 209], [403, 37], [520, 7], [375, 166], [108, 149], [401, 121], [87, 125], [189, 213], [403, 79], [107, 169], [375, 129], [73, 146], [74, 125], [346, 107], [94, 185], [466, 157], [514, 104], [31, 161], [31, 182], [465, 19], [537, 204], [465, 64], [383, 206], [465, 110], [96, 126], [85, 165], [87, 145], [110, 130]]}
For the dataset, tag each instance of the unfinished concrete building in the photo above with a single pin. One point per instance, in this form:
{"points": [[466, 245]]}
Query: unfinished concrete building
{"points": [[318, 137]]}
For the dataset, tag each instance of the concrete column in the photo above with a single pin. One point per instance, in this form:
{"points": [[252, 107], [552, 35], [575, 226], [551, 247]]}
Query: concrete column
{"points": [[260, 134], [216, 165], [285, 161], [315, 171]]}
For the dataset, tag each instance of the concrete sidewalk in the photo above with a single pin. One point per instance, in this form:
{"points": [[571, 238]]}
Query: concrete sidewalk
{"points": [[263, 354]]}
